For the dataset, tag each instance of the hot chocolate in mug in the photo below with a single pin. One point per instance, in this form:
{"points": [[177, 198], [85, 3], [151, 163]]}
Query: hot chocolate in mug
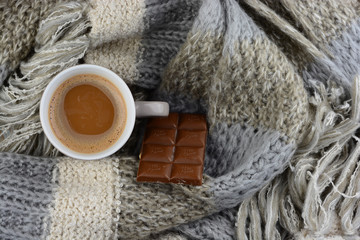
{"points": [[88, 112]]}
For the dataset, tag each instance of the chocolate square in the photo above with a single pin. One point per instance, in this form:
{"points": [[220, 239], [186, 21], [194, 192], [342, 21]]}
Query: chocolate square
{"points": [[160, 136], [148, 171], [192, 121], [173, 149], [189, 155], [186, 174], [157, 153], [191, 138]]}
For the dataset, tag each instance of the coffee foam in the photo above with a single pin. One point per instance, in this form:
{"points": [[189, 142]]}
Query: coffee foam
{"points": [[80, 142]]}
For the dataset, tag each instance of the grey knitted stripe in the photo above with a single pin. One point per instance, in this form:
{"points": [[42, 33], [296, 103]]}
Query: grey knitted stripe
{"points": [[181, 103], [219, 226], [345, 63], [208, 25], [167, 235], [210, 18], [346, 51], [170, 13], [239, 27], [243, 159], [219, 23], [26, 192], [167, 24]]}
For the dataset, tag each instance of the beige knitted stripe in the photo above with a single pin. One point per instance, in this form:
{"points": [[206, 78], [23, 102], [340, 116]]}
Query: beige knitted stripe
{"points": [[19, 20], [119, 56], [194, 64], [323, 20], [258, 86], [148, 208], [84, 201], [297, 54], [108, 23]]}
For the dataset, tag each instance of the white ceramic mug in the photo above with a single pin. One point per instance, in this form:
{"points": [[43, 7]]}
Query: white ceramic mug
{"points": [[134, 109]]}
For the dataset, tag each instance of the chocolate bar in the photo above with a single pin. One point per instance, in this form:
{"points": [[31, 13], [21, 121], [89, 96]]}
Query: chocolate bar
{"points": [[173, 149]]}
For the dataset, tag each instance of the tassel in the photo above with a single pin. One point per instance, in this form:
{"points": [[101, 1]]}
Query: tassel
{"points": [[61, 42]]}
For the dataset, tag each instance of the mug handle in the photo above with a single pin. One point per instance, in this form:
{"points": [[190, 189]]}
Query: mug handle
{"points": [[151, 109]]}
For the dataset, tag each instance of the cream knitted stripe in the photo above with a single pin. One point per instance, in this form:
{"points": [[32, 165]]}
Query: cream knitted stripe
{"points": [[108, 23], [84, 200], [62, 43], [145, 208], [65, 198], [140, 59], [120, 56]]}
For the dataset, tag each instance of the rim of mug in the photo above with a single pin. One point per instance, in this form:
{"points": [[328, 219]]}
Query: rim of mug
{"points": [[87, 69]]}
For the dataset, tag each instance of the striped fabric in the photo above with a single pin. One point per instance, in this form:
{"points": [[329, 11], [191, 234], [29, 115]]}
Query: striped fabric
{"points": [[279, 84]]}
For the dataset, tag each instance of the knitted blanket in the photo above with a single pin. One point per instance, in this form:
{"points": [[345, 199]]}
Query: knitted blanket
{"points": [[277, 80]]}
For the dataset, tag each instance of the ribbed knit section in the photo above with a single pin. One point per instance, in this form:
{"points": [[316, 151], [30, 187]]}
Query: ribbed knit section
{"points": [[27, 187]]}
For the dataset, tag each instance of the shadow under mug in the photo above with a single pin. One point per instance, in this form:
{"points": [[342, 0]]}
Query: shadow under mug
{"points": [[134, 109]]}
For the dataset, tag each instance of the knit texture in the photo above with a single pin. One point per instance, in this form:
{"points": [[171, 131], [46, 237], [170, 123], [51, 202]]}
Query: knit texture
{"points": [[278, 81], [20, 21], [62, 32], [27, 189]]}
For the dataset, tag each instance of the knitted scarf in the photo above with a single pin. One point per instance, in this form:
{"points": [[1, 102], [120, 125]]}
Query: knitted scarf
{"points": [[279, 84]]}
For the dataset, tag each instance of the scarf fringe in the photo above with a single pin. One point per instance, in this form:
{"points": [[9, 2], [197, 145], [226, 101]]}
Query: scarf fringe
{"points": [[287, 28], [60, 43], [319, 194]]}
